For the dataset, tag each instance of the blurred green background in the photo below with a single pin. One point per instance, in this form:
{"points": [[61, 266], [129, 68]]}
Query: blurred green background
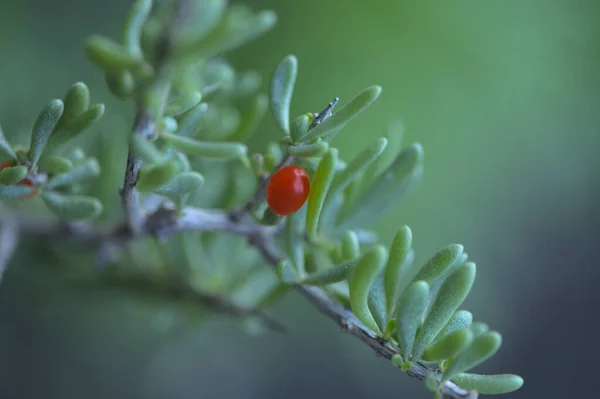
{"points": [[505, 98]]}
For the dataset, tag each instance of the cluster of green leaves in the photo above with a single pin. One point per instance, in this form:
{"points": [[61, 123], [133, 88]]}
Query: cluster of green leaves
{"points": [[415, 307], [203, 113], [49, 168]]}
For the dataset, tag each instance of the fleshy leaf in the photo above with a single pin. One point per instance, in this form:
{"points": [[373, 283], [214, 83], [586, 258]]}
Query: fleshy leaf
{"points": [[190, 122], [452, 293], [384, 194], [387, 158], [286, 272], [54, 164], [282, 89], [83, 171], [79, 125], [13, 174], [396, 267], [377, 302], [481, 349], [363, 277], [350, 247], [132, 28], [331, 275], [448, 346], [294, 238], [460, 319], [409, 314], [155, 176], [6, 150], [439, 263], [319, 189], [299, 127], [144, 149], [42, 129], [76, 102], [205, 148], [121, 83], [183, 183], [251, 119], [489, 384], [108, 55], [72, 207], [309, 150], [12, 192], [478, 328], [339, 119], [183, 103]]}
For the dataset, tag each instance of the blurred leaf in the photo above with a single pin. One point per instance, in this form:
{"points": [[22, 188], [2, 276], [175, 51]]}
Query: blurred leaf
{"points": [[6, 150], [72, 207], [144, 149], [184, 103], [286, 272], [190, 122], [481, 349], [319, 189], [203, 17], [308, 150], [489, 384], [388, 156], [385, 194], [111, 56], [396, 267], [439, 264], [460, 319], [84, 171], [338, 120], [13, 192], [206, 149], [350, 247], [155, 176], [251, 119], [77, 101], [377, 302], [282, 89], [13, 174], [257, 164], [409, 314], [478, 328], [183, 183], [362, 279], [43, 128], [273, 156], [132, 28], [449, 345], [82, 123], [331, 275], [294, 238], [451, 295], [121, 83]]}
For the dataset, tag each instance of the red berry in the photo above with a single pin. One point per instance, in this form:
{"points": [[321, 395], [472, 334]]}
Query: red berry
{"points": [[288, 190]]}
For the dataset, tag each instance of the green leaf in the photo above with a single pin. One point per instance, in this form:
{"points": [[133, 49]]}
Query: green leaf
{"points": [[84, 171], [144, 149], [282, 89], [338, 120], [366, 271], [190, 123], [393, 136], [452, 293], [183, 183], [184, 103], [111, 56], [121, 83], [396, 267], [155, 176], [76, 102], [132, 28], [448, 346], [206, 149], [481, 349], [237, 27], [409, 314], [478, 328], [13, 174], [350, 247], [72, 207], [309, 150], [384, 194], [273, 156], [460, 319], [11, 192], [82, 123], [251, 119], [377, 302], [331, 275], [43, 128], [294, 238], [6, 150], [319, 189], [489, 384], [440, 263], [257, 164], [299, 127]]}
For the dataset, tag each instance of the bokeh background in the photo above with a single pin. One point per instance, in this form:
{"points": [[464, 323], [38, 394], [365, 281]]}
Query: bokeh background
{"points": [[505, 98]]}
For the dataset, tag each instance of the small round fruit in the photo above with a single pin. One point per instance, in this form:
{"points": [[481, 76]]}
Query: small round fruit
{"points": [[288, 190]]}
